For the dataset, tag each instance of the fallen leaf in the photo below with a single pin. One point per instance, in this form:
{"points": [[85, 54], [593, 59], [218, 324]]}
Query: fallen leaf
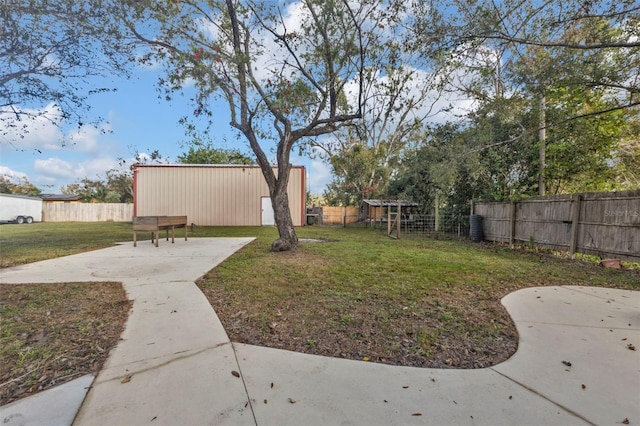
{"points": [[365, 358], [292, 401], [631, 347], [625, 421], [405, 387], [584, 386], [265, 401], [510, 396], [271, 385], [416, 414], [127, 379], [385, 400], [235, 373], [154, 417], [567, 363]]}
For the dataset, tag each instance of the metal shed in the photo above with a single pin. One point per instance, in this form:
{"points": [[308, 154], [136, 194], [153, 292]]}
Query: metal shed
{"points": [[375, 210], [213, 195]]}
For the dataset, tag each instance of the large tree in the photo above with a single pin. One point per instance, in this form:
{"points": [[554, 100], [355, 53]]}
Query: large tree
{"points": [[400, 95], [285, 70], [20, 185], [570, 67], [49, 50]]}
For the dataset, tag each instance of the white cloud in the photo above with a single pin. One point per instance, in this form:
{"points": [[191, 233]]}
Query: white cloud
{"points": [[12, 174], [62, 170], [84, 139], [318, 172], [319, 176], [37, 129], [55, 168], [42, 130]]}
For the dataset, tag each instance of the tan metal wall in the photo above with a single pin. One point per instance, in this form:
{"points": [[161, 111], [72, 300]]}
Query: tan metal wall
{"points": [[211, 195]]}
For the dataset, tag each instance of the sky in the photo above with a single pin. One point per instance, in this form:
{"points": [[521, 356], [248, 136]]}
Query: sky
{"points": [[136, 121]]}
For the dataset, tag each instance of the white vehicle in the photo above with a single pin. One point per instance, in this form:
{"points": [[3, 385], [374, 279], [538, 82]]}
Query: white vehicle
{"points": [[20, 209]]}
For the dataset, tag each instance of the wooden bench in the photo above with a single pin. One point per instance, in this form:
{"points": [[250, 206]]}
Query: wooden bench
{"points": [[157, 223]]}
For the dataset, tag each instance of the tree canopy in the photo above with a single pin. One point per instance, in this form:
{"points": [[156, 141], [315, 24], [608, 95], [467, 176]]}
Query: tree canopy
{"points": [[541, 96], [49, 49], [20, 186], [206, 153], [287, 72]]}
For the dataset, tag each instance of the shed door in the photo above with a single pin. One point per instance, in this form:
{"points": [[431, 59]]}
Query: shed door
{"points": [[267, 212]]}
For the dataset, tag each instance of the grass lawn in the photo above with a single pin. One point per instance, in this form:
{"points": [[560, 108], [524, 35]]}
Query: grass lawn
{"points": [[357, 294], [362, 295]]}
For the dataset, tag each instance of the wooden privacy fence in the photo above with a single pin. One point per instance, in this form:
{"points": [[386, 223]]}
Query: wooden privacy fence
{"points": [[340, 215], [87, 212], [601, 224]]}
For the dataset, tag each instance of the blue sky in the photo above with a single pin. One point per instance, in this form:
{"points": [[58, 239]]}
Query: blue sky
{"points": [[135, 121]]}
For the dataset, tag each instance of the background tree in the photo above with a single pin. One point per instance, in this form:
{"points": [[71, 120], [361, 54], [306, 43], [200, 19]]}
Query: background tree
{"points": [[578, 60], [89, 190], [284, 70], [21, 187], [400, 95], [206, 153]]}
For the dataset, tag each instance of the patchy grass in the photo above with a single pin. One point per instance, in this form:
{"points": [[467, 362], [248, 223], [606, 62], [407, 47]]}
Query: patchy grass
{"points": [[357, 294], [53, 333], [39, 241], [361, 295]]}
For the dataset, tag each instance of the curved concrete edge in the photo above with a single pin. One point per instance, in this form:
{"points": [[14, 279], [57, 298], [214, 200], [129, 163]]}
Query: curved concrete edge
{"points": [[169, 379], [586, 326], [290, 388], [56, 406], [174, 352], [573, 349]]}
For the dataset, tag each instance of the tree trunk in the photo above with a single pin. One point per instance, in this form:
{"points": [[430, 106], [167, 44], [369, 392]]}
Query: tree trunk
{"points": [[280, 201], [542, 140]]}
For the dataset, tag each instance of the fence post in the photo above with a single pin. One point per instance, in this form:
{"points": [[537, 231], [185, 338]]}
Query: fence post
{"points": [[344, 217], [437, 212], [512, 224], [399, 218], [575, 219]]}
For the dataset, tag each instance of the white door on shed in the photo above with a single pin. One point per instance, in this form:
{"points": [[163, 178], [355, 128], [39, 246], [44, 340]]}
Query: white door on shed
{"points": [[267, 212]]}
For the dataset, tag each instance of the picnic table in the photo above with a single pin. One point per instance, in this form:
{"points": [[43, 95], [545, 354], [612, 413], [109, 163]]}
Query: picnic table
{"points": [[155, 224]]}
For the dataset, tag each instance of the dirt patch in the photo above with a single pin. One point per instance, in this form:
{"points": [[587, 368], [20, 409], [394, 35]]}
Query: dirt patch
{"points": [[449, 333], [53, 333]]}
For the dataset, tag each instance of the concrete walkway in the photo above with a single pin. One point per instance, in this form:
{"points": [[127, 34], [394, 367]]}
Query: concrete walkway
{"points": [[176, 365]]}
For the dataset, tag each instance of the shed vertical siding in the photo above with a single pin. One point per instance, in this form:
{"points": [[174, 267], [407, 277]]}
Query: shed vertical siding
{"points": [[212, 195]]}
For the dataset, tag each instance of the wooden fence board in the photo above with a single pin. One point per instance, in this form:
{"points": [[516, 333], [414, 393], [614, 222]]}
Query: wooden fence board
{"points": [[87, 212], [340, 215], [603, 224]]}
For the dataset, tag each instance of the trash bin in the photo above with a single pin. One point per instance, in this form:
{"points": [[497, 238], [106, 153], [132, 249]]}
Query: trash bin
{"points": [[311, 219], [475, 225]]}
